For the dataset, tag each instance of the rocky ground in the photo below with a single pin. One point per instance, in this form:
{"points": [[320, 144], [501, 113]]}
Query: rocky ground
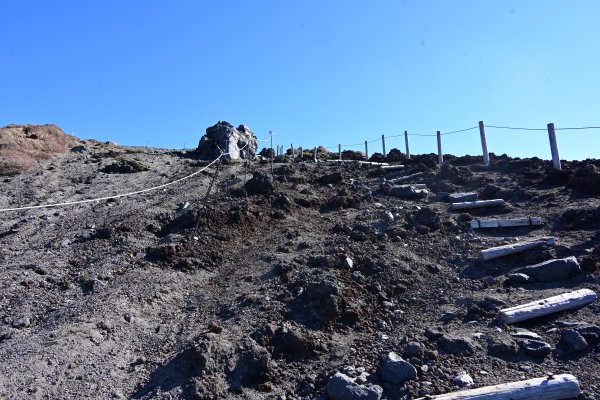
{"points": [[282, 281]]}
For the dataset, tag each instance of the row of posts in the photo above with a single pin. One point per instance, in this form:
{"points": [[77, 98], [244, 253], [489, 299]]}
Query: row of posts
{"points": [[486, 155]]}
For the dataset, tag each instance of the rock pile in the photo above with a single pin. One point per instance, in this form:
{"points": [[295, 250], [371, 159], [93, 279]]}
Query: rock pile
{"points": [[237, 143]]}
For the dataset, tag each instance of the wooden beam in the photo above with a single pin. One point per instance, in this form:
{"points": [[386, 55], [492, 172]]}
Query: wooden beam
{"points": [[407, 178], [392, 167], [555, 387], [477, 204], [501, 251], [547, 306], [504, 223]]}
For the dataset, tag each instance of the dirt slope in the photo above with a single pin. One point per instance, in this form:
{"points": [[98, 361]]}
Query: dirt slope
{"points": [[126, 299]]}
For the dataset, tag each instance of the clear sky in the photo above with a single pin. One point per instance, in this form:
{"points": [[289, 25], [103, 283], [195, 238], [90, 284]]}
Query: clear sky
{"points": [[313, 72]]}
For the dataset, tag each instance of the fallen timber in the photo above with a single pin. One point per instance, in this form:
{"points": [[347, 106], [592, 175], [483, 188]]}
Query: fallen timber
{"points": [[478, 204], [501, 251], [553, 387], [547, 306], [505, 223]]}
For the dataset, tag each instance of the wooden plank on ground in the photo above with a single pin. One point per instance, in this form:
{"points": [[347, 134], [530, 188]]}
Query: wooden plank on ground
{"points": [[392, 167], [554, 387], [501, 251], [478, 204], [407, 178], [547, 306], [505, 223]]}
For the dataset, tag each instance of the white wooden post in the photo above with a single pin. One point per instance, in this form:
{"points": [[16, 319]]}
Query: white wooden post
{"points": [[554, 147], [440, 155], [316, 154], [340, 152], [406, 143], [366, 151], [383, 145], [486, 155], [272, 151], [300, 155]]}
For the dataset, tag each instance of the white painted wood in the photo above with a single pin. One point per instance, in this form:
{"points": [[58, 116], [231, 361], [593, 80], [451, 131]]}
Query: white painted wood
{"points": [[439, 142], [462, 197], [557, 387], [554, 147], [406, 144], [501, 251], [382, 165], [503, 223], [392, 167], [411, 185], [477, 204], [407, 178], [547, 306], [486, 155]]}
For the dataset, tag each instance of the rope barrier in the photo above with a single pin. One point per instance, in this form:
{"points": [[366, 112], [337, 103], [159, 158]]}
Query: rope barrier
{"points": [[117, 196], [516, 128]]}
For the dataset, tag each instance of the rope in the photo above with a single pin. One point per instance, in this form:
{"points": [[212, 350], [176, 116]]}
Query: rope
{"points": [[164, 185], [577, 128], [514, 128], [461, 130]]}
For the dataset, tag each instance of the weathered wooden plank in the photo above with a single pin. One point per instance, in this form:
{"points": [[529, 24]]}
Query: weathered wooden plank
{"points": [[478, 204], [504, 223], [407, 178], [392, 167], [411, 185], [556, 387], [501, 251], [382, 165], [547, 306]]}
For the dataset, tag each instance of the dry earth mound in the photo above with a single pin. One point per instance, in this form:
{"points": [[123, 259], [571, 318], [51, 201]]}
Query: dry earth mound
{"points": [[22, 146]]}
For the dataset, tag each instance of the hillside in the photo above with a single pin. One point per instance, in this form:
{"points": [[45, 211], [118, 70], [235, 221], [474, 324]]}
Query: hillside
{"points": [[286, 280]]}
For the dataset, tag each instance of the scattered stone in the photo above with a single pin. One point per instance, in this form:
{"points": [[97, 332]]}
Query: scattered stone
{"points": [[517, 279], [125, 166], [552, 270], [395, 370], [526, 335], [20, 323], [591, 333], [501, 345], [536, 348], [413, 349], [347, 263], [342, 387], [463, 380], [357, 276], [574, 340], [456, 345], [331, 179]]}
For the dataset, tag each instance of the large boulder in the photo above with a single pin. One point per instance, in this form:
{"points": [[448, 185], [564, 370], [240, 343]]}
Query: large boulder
{"points": [[238, 143]]}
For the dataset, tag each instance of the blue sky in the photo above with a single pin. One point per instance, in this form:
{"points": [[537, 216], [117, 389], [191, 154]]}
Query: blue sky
{"points": [[313, 72]]}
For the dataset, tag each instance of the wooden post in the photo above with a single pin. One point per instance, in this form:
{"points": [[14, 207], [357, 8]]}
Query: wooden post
{"points": [[406, 143], [478, 204], [553, 147], [440, 154], [501, 251], [486, 155], [366, 151], [272, 151], [554, 387], [292, 147], [383, 145], [316, 154], [340, 151]]}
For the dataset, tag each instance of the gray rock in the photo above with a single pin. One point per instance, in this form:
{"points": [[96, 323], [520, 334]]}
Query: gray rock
{"points": [[240, 142], [536, 348], [342, 387], [463, 380], [591, 333], [501, 344], [461, 197], [413, 349], [395, 370], [408, 192], [574, 340], [456, 345], [20, 323], [526, 335], [518, 278], [552, 270], [347, 263]]}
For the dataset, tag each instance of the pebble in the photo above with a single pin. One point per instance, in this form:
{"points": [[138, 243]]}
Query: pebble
{"points": [[357, 276], [574, 340], [463, 380], [395, 370], [20, 323]]}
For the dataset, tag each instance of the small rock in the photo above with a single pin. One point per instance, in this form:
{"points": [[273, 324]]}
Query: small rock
{"points": [[395, 370], [526, 335], [357, 276], [574, 340], [536, 348], [456, 345], [342, 387], [413, 349], [20, 323], [347, 263], [463, 380], [388, 216]]}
